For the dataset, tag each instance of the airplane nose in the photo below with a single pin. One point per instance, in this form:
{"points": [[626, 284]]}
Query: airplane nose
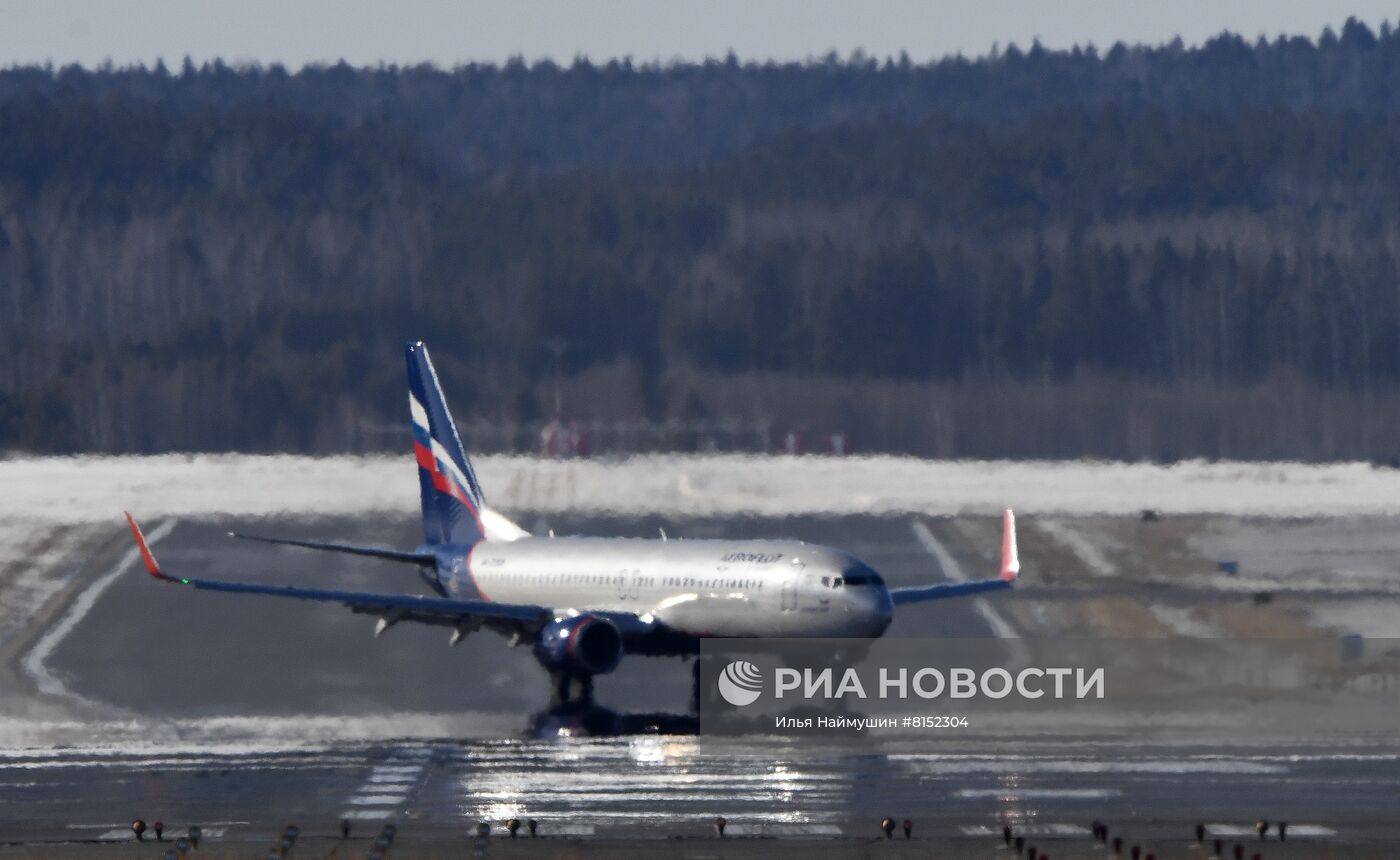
{"points": [[880, 610], [884, 612]]}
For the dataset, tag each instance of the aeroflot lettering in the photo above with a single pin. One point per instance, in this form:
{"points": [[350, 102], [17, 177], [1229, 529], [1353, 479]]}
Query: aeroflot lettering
{"points": [[958, 683], [753, 557]]}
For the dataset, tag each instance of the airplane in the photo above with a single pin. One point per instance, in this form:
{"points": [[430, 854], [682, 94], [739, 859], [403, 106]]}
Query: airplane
{"points": [[582, 603]]}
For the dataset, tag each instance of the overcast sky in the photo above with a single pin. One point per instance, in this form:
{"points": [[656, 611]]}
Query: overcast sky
{"points": [[295, 32]]}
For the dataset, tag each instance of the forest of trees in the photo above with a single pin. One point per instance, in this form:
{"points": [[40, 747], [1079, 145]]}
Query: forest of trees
{"points": [[1134, 252]]}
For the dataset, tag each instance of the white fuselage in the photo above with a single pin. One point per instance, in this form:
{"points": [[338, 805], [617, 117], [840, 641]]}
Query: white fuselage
{"points": [[696, 587]]}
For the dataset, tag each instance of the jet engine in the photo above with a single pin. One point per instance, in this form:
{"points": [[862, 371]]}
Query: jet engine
{"points": [[581, 645]]}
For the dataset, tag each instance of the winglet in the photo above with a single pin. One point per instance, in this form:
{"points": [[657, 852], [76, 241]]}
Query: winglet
{"points": [[151, 567], [1010, 561]]}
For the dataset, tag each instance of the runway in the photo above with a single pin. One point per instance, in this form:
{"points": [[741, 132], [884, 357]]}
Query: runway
{"points": [[243, 714], [666, 787], [188, 655]]}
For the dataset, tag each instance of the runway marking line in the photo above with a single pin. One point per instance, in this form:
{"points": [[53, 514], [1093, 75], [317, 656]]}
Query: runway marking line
{"points": [[399, 774], [222, 824], [123, 834], [791, 830], [1092, 557], [1000, 627], [1304, 831], [1039, 831], [1014, 794], [571, 829], [378, 799], [33, 662]]}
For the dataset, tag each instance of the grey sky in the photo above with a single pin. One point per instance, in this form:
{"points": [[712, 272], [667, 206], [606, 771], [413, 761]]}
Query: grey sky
{"points": [[295, 32]]}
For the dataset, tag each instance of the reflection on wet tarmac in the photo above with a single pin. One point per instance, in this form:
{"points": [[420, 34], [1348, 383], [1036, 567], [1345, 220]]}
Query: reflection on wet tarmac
{"points": [[596, 721], [675, 784]]}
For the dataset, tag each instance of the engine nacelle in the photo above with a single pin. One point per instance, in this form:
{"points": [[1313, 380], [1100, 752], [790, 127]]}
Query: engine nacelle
{"points": [[582, 645]]}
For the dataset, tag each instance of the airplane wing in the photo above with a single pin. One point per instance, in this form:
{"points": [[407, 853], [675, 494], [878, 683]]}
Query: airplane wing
{"points": [[426, 559], [496, 525], [1010, 570], [505, 617]]}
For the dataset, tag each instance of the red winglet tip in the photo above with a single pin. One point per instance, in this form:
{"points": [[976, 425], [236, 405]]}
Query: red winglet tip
{"points": [[1010, 560], [146, 557]]}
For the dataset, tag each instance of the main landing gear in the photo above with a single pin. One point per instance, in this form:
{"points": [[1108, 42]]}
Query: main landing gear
{"points": [[571, 690], [573, 712]]}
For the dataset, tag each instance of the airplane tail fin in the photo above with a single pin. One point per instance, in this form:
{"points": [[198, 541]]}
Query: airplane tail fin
{"points": [[453, 503]]}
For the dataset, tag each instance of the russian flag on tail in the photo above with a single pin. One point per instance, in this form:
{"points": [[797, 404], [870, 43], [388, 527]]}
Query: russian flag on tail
{"points": [[451, 497]]}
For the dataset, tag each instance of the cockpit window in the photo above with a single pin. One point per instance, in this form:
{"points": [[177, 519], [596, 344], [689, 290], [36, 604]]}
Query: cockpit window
{"points": [[862, 574]]}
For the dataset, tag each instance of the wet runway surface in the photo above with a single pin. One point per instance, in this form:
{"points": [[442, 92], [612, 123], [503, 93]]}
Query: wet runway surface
{"points": [[243, 714], [666, 787]]}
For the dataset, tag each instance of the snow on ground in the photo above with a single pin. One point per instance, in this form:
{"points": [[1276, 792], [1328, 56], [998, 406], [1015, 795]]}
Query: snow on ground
{"points": [[96, 489], [1373, 619], [31, 571], [1360, 551]]}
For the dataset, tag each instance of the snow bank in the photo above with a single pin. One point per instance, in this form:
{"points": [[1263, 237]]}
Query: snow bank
{"points": [[88, 489]]}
